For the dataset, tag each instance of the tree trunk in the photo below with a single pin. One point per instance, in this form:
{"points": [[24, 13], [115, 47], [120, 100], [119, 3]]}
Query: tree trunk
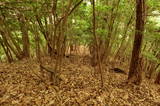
{"points": [[112, 20], [135, 74], [96, 45], [7, 51], [25, 37], [8, 39], [157, 81], [44, 31], [123, 42], [10, 45]]}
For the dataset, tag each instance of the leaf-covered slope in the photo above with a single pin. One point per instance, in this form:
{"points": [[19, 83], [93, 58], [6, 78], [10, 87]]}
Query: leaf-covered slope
{"points": [[22, 83]]}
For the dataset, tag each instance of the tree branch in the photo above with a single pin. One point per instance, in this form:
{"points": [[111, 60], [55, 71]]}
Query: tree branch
{"points": [[70, 12]]}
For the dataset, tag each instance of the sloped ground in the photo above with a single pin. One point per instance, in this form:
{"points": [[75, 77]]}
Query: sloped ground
{"points": [[23, 84]]}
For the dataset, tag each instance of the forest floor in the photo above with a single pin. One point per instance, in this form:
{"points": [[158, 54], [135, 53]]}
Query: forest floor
{"points": [[23, 84]]}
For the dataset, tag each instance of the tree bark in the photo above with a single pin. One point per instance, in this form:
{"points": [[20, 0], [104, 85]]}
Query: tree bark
{"points": [[25, 36], [96, 45], [135, 74], [8, 39], [7, 51], [157, 81]]}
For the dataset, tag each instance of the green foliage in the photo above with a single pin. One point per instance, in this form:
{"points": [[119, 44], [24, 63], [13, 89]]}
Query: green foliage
{"points": [[151, 57], [79, 23]]}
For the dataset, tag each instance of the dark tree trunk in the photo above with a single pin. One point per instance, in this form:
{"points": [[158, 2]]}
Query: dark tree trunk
{"points": [[135, 74], [157, 81], [156, 68]]}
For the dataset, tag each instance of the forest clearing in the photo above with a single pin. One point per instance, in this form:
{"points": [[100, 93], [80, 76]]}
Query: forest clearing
{"points": [[79, 53]]}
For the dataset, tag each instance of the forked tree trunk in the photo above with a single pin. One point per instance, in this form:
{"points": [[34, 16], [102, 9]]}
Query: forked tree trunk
{"points": [[46, 35], [110, 29], [135, 74], [121, 48]]}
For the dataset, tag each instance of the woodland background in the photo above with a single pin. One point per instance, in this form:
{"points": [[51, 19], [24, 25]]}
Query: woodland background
{"points": [[94, 35]]}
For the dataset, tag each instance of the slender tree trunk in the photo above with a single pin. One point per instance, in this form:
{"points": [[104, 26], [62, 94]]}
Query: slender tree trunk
{"points": [[10, 46], [25, 37], [135, 74], [46, 36], [7, 51], [8, 39], [37, 42], [96, 45], [110, 29], [122, 44]]}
